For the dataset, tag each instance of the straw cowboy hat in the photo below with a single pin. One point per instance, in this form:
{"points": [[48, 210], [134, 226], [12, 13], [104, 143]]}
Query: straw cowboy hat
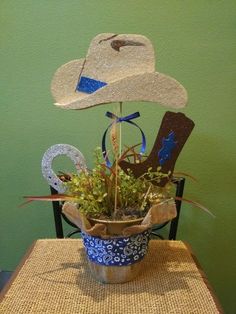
{"points": [[117, 68]]}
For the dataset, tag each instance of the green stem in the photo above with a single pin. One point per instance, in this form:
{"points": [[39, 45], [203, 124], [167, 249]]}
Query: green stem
{"points": [[120, 140]]}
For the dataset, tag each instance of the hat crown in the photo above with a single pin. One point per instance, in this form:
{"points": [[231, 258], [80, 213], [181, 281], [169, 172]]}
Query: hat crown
{"points": [[111, 57], [117, 68]]}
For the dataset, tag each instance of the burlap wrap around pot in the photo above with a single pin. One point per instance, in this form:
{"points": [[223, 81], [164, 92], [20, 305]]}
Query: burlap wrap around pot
{"points": [[98, 235]]}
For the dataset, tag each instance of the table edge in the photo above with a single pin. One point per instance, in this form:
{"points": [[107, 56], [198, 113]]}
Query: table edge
{"points": [[16, 271], [204, 278]]}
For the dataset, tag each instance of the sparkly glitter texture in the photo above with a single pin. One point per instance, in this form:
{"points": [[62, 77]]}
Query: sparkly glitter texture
{"points": [[56, 150]]}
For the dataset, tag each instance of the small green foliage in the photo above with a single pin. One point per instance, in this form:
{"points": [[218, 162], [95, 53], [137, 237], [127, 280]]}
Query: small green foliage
{"points": [[94, 190]]}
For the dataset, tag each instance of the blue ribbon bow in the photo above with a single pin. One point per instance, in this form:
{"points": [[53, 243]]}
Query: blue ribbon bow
{"points": [[119, 120]]}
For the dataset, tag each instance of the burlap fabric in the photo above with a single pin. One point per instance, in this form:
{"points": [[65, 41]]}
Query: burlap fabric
{"points": [[157, 214], [55, 279]]}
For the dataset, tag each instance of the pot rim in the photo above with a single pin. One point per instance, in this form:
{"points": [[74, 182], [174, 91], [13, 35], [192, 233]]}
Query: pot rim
{"points": [[116, 221]]}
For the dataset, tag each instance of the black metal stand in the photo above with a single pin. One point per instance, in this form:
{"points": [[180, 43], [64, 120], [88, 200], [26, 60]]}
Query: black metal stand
{"points": [[174, 222], [58, 215], [179, 193]]}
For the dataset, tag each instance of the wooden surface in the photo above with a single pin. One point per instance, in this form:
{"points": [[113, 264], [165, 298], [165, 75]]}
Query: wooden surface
{"points": [[53, 277]]}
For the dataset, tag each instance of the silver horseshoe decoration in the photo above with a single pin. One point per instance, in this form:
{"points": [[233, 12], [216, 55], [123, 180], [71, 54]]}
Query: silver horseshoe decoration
{"points": [[56, 150]]}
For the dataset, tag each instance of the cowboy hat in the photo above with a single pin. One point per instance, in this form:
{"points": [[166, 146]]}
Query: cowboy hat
{"points": [[117, 68]]}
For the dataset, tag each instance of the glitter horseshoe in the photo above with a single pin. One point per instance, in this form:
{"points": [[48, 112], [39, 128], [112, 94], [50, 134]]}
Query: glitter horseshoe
{"points": [[57, 150]]}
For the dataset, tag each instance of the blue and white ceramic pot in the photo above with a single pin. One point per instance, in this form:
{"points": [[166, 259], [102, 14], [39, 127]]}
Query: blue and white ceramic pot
{"points": [[116, 259]]}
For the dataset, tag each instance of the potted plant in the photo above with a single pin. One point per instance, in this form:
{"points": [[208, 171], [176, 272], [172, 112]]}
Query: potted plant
{"points": [[113, 209], [110, 204], [116, 210]]}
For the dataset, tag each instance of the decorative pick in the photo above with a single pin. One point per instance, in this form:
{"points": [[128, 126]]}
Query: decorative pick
{"points": [[173, 133]]}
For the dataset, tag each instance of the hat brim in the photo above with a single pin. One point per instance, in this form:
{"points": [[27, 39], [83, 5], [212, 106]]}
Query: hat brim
{"points": [[150, 87]]}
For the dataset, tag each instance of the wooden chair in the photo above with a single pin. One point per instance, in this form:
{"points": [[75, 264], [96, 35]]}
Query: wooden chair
{"points": [[173, 224]]}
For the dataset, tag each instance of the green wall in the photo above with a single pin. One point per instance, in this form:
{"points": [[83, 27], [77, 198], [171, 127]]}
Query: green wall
{"points": [[194, 42]]}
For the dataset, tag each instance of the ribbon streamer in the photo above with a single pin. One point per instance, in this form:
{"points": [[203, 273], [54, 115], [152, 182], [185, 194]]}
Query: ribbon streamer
{"points": [[119, 120]]}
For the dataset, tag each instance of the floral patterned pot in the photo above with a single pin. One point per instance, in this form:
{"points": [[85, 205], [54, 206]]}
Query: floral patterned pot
{"points": [[116, 259]]}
